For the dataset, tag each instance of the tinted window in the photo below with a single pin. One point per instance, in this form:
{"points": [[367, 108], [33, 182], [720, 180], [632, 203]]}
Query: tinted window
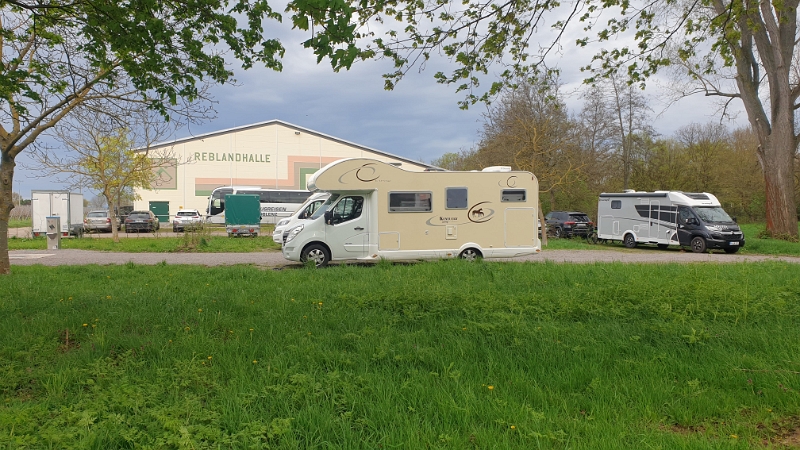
{"points": [[139, 215], [513, 195], [456, 198], [409, 201], [97, 214], [187, 213], [616, 204], [579, 217]]}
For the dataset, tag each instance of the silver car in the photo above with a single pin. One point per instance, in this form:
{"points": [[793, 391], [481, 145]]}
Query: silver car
{"points": [[187, 218], [99, 220]]}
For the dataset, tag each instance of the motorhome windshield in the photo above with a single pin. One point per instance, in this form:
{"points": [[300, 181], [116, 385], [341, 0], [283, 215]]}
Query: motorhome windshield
{"points": [[324, 207], [712, 214]]}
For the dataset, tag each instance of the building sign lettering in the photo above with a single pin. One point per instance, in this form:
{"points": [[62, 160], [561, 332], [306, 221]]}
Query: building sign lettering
{"points": [[232, 157]]}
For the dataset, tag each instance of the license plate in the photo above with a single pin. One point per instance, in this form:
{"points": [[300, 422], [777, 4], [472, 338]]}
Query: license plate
{"points": [[733, 243]]}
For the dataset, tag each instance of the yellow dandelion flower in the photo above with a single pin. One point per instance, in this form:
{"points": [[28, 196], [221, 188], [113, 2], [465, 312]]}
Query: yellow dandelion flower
{"points": [[320, 303], [170, 341], [108, 297], [734, 436], [69, 298], [255, 361], [209, 357], [86, 324], [305, 317], [230, 331], [200, 310], [204, 363], [513, 427], [464, 328], [187, 328], [251, 330], [491, 388]]}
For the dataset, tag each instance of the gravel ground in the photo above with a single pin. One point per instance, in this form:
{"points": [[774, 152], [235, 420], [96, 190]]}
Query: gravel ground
{"points": [[275, 259]]}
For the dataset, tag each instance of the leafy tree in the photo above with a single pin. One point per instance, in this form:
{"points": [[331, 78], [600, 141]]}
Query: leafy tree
{"points": [[61, 57], [106, 158], [750, 44]]}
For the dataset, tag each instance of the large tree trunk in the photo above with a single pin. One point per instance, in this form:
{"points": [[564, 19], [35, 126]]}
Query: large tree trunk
{"points": [[6, 205], [776, 156]]}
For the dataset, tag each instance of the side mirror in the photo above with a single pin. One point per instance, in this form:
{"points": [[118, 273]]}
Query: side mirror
{"points": [[691, 221], [329, 217], [734, 219]]}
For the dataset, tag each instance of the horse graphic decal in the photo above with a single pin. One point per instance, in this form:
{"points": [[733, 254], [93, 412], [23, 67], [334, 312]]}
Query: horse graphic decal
{"points": [[480, 212]]}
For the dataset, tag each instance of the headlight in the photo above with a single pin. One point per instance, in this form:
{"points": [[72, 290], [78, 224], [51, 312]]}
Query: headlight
{"points": [[713, 228], [282, 223], [294, 232]]}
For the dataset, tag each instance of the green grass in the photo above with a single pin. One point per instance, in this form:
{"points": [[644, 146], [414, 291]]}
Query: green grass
{"points": [[19, 223], [430, 355], [198, 241]]}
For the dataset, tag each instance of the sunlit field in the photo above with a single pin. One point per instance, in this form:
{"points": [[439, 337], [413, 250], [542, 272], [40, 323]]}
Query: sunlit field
{"points": [[443, 354]]}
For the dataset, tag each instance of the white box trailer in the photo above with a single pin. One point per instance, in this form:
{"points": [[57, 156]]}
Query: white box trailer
{"points": [[664, 218], [380, 211], [64, 204]]}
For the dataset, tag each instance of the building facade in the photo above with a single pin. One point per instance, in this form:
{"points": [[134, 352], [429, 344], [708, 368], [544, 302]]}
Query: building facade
{"points": [[272, 154]]}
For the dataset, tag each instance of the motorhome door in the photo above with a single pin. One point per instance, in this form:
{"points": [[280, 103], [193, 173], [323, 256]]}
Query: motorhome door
{"points": [[347, 230], [655, 207]]}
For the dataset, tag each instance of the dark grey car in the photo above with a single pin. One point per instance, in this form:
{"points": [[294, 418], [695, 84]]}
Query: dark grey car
{"points": [[138, 221]]}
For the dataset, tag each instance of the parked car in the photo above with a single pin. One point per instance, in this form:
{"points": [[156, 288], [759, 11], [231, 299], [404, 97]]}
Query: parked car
{"points": [[187, 218], [568, 223], [100, 220], [139, 221]]}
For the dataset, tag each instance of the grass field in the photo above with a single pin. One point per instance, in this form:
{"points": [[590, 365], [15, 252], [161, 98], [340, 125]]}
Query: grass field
{"points": [[204, 241], [431, 355]]}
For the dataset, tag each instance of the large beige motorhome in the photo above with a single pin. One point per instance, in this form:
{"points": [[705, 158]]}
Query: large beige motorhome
{"points": [[379, 211]]}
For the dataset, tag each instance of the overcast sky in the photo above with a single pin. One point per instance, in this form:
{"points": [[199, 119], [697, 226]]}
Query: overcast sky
{"points": [[419, 119]]}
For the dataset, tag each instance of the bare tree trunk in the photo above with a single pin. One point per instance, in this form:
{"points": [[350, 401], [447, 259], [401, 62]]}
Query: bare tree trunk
{"points": [[776, 156], [6, 205]]}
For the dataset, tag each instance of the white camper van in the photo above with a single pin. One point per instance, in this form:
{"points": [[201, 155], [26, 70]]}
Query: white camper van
{"points": [[376, 210], [665, 218], [305, 211]]}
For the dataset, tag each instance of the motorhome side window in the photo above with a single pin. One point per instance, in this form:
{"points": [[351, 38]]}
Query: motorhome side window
{"points": [[409, 202], [616, 204], [456, 198], [513, 195], [348, 208]]}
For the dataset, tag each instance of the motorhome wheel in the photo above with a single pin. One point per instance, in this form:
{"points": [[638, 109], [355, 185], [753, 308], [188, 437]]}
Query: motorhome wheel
{"points": [[629, 241], [470, 254], [316, 253], [698, 245]]}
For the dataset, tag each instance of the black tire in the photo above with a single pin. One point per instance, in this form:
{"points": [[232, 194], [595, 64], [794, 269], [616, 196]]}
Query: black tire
{"points": [[698, 244], [663, 246], [731, 250], [316, 253], [592, 238], [629, 241], [558, 233], [470, 254], [174, 229]]}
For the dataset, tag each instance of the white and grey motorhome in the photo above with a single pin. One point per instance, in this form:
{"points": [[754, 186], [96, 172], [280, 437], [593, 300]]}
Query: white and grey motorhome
{"points": [[379, 211], [663, 218]]}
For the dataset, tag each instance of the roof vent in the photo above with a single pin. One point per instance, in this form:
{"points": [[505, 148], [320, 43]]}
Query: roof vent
{"points": [[497, 169], [628, 191]]}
